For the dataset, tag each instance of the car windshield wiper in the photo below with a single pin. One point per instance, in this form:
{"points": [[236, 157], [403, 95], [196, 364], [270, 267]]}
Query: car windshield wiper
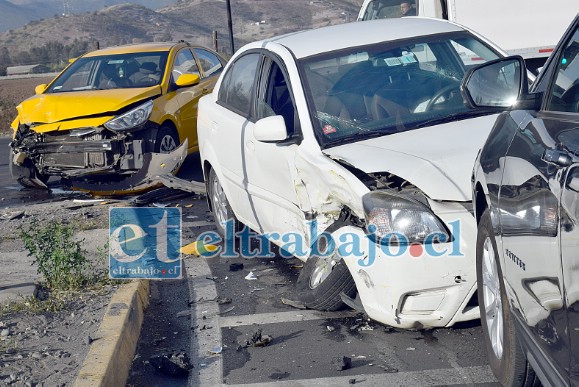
{"points": [[456, 117], [359, 136]]}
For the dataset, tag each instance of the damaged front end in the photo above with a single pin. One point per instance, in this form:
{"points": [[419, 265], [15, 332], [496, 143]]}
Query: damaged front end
{"points": [[418, 257], [92, 158], [409, 255]]}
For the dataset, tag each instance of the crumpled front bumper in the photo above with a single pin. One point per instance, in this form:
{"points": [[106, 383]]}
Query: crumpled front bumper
{"points": [[157, 168], [92, 160], [410, 290]]}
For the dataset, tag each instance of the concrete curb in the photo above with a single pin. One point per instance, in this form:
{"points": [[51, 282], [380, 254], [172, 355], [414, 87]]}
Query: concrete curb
{"points": [[110, 356]]}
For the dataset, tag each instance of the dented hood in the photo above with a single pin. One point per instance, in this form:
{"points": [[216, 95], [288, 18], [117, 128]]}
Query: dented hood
{"points": [[55, 107], [437, 159]]}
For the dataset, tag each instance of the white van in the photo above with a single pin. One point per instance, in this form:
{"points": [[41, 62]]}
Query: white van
{"points": [[530, 28]]}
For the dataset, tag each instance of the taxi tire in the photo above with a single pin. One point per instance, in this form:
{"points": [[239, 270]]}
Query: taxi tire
{"points": [[166, 135]]}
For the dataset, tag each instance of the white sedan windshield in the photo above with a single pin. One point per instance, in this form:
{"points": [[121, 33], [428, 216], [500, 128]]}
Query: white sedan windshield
{"points": [[390, 87]]}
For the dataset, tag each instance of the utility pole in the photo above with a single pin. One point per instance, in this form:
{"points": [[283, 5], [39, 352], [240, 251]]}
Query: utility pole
{"points": [[65, 8], [230, 26]]}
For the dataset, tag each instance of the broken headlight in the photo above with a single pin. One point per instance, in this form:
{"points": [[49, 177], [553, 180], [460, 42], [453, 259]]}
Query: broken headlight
{"points": [[396, 219], [131, 119]]}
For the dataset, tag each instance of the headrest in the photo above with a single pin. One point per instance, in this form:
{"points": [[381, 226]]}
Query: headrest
{"points": [[148, 67]]}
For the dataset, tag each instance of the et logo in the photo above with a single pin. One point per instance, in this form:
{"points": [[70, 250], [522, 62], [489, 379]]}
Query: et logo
{"points": [[145, 243]]}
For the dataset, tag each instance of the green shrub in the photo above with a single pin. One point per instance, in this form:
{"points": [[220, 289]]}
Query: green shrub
{"points": [[58, 257]]}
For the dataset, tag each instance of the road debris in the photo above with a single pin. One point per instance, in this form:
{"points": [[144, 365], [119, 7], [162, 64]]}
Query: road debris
{"points": [[257, 340], [342, 363], [330, 328], [198, 248], [236, 267], [12, 215], [90, 201], [366, 327], [224, 300], [388, 369], [251, 276], [174, 364], [216, 350], [294, 304], [184, 313], [227, 310]]}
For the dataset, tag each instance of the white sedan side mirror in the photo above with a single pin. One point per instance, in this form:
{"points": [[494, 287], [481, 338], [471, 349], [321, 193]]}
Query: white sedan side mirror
{"points": [[270, 129]]}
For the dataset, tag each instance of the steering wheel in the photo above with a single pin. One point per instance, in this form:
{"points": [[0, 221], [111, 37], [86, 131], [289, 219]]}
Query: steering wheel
{"points": [[445, 92]]}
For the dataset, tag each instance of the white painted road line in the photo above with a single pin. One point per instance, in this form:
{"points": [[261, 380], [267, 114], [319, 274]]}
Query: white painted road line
{"points": [[442, 376], [281, 317], [208, 369]]}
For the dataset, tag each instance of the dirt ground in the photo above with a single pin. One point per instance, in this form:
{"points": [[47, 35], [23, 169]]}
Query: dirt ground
{"points": [[12, 92], [46, 346]]}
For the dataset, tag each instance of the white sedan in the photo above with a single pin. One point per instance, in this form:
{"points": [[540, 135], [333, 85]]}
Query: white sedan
{"points": [[350, 147]]}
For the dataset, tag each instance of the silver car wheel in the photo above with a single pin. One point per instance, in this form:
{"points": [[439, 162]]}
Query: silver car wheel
{"points": [[322, 270], [219, 202], [492, 298], [167, 144]]}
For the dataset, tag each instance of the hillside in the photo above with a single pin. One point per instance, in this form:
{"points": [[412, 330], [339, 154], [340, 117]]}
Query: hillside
{"points": [[257, 19], [16, 13], [13, 16], [190, 20]]}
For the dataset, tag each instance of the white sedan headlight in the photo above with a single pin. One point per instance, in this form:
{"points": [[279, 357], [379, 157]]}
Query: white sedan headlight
{"points": [[396, 219], [131, 119]]}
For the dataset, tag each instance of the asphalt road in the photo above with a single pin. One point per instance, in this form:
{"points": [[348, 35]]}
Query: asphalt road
{"points": [[194, 315], [212, 313]]}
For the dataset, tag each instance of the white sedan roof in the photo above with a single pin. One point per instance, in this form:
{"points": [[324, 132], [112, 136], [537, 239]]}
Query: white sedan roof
{"points": [[310, 42]]}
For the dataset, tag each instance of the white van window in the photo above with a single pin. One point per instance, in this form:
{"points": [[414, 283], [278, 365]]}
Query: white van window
{"points": [[387, 9]]}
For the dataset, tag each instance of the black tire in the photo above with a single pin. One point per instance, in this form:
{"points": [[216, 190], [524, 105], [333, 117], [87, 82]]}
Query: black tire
{"points": [[324, 293], [167, 140], [509, 365], [220, 207]]}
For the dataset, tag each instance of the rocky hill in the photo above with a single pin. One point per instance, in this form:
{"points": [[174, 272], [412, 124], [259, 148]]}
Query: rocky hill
{"points": [[13, 16], [192, 20], [16, 13]]}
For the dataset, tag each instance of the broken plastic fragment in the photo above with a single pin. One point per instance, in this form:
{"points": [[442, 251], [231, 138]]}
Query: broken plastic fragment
{"points": [[294, 304], [342, 363], [251, 276], [198, 248]]}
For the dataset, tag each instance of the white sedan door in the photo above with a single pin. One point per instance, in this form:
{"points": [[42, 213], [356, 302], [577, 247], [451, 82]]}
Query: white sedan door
{"points": [[270, 166]]}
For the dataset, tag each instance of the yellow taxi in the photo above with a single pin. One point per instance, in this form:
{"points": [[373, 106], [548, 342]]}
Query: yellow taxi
{"points": [[114, 117]]}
